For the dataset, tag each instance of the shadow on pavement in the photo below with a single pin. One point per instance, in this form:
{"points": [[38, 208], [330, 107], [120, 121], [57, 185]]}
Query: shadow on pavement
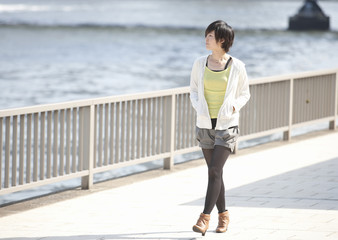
{"points": [[141, 236], [312, 187]]}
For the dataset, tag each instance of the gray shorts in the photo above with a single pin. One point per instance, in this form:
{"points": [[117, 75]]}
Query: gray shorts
{"points": [[208, 138]]}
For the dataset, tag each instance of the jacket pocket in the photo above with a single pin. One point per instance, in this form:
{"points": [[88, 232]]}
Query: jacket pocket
{"points": [[202, 109], [227, 110]]}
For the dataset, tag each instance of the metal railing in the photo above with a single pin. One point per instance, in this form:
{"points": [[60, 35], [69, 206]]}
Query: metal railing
{"points": [[51, 143], [281, 103]]}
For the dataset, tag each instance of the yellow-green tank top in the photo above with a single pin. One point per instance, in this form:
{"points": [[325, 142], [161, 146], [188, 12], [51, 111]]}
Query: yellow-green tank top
{"points": [[215, 85]]}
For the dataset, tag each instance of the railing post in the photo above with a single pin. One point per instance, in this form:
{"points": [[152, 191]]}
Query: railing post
{"points": [[170, 131], [287, 134], [333, 123], [1, 132], [88, 146], [235, 149]]}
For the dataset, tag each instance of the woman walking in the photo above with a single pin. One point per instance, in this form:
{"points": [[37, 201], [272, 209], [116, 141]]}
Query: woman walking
{"points": [[219, 88]]}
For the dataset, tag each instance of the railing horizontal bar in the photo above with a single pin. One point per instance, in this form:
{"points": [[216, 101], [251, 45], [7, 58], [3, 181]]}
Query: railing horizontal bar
{"points": [[307, 123], [130, 163], [187, 150], [262, 134], [287, 77], [88, 102]]}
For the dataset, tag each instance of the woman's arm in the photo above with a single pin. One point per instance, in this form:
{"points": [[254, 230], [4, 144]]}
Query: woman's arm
{"points": [[194, 85], [243, 92]]}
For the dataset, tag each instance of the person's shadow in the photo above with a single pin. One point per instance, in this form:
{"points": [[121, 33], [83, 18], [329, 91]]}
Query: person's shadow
{"points": [[140, 236]]}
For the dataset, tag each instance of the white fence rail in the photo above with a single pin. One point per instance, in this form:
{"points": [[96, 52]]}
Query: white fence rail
{"points": [[51, 143]]}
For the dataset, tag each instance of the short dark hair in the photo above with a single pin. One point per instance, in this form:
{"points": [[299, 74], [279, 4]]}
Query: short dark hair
{"points": [[223, 31]]}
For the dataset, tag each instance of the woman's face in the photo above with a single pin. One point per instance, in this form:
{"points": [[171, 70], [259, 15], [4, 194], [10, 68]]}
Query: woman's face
{"points": [[211, 43]]}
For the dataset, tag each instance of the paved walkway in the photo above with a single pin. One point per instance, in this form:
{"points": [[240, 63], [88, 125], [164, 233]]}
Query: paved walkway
{"points": [[274, 191]]}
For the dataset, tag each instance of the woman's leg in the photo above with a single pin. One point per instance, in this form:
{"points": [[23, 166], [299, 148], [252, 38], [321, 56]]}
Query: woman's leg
{"points": [[219, 156], [220, 204]]}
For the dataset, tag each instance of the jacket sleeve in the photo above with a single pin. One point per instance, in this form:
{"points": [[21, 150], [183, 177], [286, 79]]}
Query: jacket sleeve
{"points": [[194, 85], [243, 92]]}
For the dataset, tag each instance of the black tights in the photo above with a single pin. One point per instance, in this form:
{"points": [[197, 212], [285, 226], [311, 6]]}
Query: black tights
{"points": [[215, 159]]}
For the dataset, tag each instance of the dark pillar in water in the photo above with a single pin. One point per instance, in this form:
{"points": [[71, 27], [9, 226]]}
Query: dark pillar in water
{"points": [[309, 17]]}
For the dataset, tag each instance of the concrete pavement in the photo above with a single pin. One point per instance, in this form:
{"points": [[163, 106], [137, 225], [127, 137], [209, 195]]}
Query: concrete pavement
{"points": [[279, 190]]}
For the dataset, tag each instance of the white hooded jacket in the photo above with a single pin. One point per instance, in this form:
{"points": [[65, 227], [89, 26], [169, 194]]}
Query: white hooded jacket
{"points": [[237, 94]]}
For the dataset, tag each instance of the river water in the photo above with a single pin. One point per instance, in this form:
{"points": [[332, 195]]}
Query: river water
{"points": [[59, 50]]}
